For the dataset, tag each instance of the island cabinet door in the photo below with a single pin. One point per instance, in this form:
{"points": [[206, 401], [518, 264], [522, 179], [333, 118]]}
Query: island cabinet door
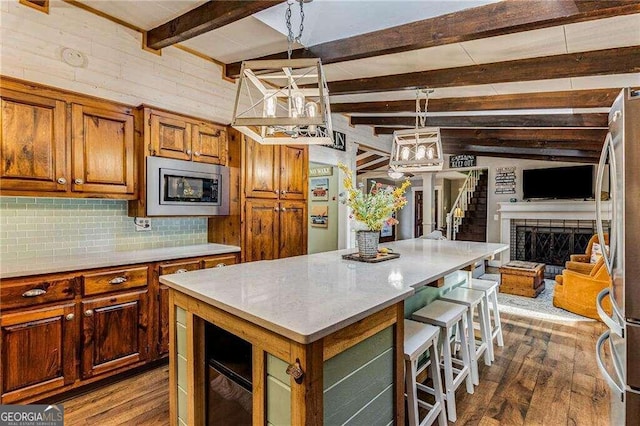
{"points": [[32, 143], [103, 157], [114, 332], [262, 170], [38, 351], [261, 230], [293, 229], [294, 166]]}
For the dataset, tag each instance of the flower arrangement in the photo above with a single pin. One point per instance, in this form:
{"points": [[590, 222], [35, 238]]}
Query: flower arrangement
{"points": [[372, 210]]}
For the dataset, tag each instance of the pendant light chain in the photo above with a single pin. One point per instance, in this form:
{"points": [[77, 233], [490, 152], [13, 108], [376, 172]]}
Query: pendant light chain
{"points": [[421, 118], [290, 38]]}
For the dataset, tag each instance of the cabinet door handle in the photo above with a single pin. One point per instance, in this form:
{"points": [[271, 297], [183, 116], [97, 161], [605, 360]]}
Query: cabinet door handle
{"points": [[197, 154], [34, 292], [62, 181], [78, 181], [275, 209], [276, 192], [181, 271], [283, 209], [118, 280], [295, 371], [70, 317], [220, 265], [188, 152], [88, 313], [283, 192]]}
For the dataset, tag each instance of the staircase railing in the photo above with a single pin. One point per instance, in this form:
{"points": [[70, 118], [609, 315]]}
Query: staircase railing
{"points": [[459, 207]]}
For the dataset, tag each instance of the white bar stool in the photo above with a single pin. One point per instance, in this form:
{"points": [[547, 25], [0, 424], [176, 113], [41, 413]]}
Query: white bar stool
{"points": [[490, 289], [472, 299], [447, 316], [418, 339]]}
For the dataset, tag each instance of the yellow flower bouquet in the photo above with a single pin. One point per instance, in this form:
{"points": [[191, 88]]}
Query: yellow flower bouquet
{"points": [[372, 210]]}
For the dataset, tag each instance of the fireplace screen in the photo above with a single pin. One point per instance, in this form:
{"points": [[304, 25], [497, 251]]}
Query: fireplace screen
{"points": [[550, 242]]}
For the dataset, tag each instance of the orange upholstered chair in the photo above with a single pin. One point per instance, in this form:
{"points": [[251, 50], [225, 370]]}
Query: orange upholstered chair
{"points": [[582, 262], [576, 292]]}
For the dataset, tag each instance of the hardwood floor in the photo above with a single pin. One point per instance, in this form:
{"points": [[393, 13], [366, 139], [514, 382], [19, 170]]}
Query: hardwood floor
{"points": [[546, 374]]}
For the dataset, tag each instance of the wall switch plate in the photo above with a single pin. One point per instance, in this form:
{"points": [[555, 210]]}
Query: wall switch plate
{"points": [[142, 224]]}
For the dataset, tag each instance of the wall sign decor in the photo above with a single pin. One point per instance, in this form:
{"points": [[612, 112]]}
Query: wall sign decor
{"points": [[321, 171], [319, 188], [505, 180], [458, 161], [320, 216], [339, 141]]}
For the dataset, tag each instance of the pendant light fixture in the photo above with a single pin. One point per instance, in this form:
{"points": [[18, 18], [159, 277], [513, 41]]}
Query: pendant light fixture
{"points": [[284, 101], [419, 149]]}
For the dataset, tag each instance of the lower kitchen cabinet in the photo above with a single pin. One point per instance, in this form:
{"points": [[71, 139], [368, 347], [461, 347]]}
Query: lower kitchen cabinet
{"points": [[114, 332], [61, 331], [38, 351], [177, 267]]}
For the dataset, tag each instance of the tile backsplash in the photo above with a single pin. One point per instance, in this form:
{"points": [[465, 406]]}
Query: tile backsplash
{"points": [[35, 227]]}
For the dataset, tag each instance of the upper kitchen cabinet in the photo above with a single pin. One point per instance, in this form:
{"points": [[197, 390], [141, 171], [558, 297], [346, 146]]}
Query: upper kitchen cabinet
{"points": [[175, 136], [103, 150], [61, 144], [275, 171], [33, 144]]}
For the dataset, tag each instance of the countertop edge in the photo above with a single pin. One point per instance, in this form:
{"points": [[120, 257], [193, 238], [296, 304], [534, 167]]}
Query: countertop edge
{"points": [[114, 259], [282, 330]]}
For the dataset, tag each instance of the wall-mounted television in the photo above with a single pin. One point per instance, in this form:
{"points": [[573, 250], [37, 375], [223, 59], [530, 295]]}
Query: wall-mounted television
{"points": [[558, 183]]}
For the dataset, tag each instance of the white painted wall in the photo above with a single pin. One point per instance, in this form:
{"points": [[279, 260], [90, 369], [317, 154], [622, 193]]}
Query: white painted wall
{"points": [[324, 239]]}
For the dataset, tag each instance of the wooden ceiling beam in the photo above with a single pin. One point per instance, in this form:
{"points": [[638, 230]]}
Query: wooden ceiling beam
{"points": [[598, 62], [598, 120], [371, 163], [556, 134], [202, 19], [595, 98], [594, 146], [491, 20]]}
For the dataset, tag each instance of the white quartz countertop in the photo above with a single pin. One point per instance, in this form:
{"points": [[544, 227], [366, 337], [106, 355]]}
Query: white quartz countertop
{"points": [[308, 297], [66, 263]]}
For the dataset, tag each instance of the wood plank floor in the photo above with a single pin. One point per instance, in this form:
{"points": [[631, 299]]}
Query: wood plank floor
{"points": [[546, 374]]}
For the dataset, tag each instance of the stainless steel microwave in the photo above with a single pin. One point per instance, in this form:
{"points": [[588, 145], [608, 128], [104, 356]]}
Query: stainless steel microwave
{"points": [[186, 188]]}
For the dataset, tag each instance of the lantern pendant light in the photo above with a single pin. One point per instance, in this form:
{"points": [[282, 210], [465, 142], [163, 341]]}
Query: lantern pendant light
{"points": [[416, 150], [282, 101]]}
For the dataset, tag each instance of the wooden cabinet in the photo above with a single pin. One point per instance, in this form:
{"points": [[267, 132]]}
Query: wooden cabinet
{"points": [[275, 229], [103, 151], [114, 332], [38, 351], [184, 138], [33, 143], [177, 267], [275, 201], [57, 143], [276, 171]]}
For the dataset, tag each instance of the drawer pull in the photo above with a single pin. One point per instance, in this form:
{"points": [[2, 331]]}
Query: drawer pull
{"points": [[118, 280], [220, 265], [35, 292], [181, 271], [70, 317], [88, 313], [62, 181]]}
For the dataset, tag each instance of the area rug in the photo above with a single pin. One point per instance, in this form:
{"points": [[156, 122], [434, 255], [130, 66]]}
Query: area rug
{"points": [[540, 307]]}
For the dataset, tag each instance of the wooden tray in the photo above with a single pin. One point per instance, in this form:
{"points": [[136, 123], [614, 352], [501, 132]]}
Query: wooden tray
{"points": [[381, 257]]}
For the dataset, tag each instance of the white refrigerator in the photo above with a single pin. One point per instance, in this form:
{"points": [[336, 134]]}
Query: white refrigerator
{"points": [[621, 152]]}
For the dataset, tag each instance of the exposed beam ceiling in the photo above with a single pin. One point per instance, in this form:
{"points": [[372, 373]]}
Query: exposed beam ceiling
{"points": [[202, 19], [495, 19], [576, 156], [599, 62], [531, 120], [564, 99], [524, 134]]}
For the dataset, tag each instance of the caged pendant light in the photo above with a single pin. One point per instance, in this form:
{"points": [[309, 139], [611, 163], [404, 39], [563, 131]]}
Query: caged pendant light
{"points": [[284, 101], [416, 150]]}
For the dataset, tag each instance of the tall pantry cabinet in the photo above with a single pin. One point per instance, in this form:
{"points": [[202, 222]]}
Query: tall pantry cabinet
{"points": [[270, 219]]}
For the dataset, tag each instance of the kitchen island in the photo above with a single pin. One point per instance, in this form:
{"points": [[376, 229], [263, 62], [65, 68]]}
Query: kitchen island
{"points": [[335, 326]]}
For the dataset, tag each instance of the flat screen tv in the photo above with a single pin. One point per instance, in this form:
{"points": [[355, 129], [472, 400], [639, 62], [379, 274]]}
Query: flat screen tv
{"points": [[558, 183]]}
